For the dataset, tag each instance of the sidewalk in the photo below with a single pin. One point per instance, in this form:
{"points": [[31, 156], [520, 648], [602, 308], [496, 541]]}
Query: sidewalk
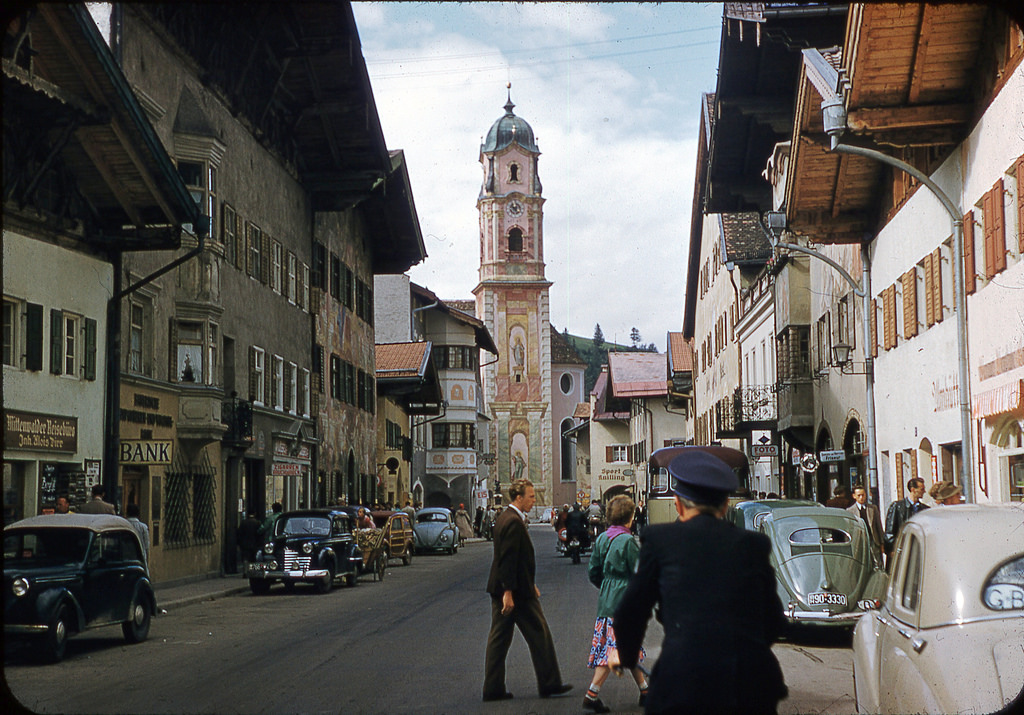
{"points": [[177, 594]]}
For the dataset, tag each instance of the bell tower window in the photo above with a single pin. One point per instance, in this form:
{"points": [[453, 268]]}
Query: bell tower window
{"points": [[513, 173], [515, 239]]}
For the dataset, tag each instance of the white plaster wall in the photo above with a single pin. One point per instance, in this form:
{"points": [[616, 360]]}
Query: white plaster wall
{"points": [[392, 319], [910, 377], [40, 272]]}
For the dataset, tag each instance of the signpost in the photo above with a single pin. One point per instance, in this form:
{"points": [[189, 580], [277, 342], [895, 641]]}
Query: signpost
{"points": [[831, 455]]}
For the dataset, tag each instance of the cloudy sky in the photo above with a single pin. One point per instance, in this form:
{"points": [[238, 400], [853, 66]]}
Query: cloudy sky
{"points": [[612, 91]]}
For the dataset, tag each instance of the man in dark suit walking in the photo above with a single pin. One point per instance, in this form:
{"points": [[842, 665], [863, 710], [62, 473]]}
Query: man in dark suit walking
{"points": [[872, 520], [515, 601], [716, 592]]}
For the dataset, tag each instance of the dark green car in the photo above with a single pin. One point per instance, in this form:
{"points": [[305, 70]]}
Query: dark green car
{"points": [[66, 573], [824, 568]]}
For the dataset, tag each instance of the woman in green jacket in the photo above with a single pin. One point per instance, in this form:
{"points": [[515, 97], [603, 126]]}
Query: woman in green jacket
{"points": [[612, 563]]}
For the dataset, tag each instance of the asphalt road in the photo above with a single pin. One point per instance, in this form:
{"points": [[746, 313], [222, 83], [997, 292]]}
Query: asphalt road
{"points": [[411, 644]]}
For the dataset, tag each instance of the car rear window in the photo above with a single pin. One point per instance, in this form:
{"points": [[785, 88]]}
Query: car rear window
{"points": [[46, 547], [426, 518], [1004, 589]]}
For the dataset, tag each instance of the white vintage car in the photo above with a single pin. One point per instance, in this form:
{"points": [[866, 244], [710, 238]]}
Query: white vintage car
{"points": [[949, 637]]}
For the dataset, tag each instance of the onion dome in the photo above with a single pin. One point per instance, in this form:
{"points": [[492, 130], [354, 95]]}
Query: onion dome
{"points": [[507, 130]]}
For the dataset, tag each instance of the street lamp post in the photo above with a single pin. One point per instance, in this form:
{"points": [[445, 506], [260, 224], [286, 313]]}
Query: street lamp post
{"points": [[833, 111], [776, 224]]}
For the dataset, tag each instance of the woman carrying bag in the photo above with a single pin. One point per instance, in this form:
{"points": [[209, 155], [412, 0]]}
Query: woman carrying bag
{"points": [[612, 563]]}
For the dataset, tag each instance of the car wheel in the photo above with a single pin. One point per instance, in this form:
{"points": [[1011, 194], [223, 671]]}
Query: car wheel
{"points": [[407, 556], [259, 586], [351, 579], [136, 628], [328, 581], [57, 635]]}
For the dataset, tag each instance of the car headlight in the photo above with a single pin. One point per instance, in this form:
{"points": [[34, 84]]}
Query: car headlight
{"points": [[446, 536], [272, 566], [19, 587], [307, 548], [268, 548]]}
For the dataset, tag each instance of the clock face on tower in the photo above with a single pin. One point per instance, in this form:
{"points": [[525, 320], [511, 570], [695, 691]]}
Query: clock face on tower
{"points": [[514, 209]]}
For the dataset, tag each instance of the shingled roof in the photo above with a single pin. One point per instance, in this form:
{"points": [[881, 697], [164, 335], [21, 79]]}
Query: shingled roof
{"points": [[638, 374], [745, 238], [680, 353]]}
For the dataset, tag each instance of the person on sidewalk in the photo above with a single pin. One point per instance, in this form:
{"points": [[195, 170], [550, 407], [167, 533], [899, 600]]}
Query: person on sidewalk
{"points": [[900, 511], [97, 505], [248, 536], [463, 524], [132, 513], [612, 563], [872, 519], [716, 592], [515, 601], [267, 527]]}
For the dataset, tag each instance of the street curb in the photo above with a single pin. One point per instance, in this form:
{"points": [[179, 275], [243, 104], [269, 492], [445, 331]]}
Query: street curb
{"points": [[168, 604]]}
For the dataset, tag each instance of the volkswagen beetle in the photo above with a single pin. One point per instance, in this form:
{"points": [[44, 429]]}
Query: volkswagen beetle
{"points": [[308, 545], [435, 530], [948, 636], [824, 569], [65, 573]]}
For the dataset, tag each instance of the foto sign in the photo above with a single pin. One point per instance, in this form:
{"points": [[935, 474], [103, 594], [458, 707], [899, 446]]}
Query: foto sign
{"points": [[764, 450]]}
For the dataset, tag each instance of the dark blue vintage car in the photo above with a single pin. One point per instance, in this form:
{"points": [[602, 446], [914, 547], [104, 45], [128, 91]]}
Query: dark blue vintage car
{"points": [[65, 573], [307, 546]]}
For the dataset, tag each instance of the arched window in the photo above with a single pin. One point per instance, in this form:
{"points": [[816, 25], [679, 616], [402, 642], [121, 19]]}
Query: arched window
{"points": [[515, 239], [566, 383], [513, 173], [568, 452]]}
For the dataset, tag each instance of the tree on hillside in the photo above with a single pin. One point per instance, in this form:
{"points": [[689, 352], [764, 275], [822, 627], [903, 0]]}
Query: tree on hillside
{"points": [[634, 337], [598, 338]]}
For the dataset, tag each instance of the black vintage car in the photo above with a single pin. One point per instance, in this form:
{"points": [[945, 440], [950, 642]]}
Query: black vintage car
{"points": [[65, 573], [309, 545]]}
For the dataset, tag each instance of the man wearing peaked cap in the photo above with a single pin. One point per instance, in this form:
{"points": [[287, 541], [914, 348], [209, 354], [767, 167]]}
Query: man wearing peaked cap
{"points": [[718, 605]]}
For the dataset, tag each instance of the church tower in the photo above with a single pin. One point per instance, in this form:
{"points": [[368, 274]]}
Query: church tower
{"points": [[512, 301]]}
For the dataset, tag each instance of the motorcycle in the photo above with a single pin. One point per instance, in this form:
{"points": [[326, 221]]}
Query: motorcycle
{"points": [[573, 547], [595, 526]]}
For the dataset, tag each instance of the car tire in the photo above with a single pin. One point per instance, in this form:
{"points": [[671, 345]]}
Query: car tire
{"points": [[327, 583], [351, 579], [407, 556], [259, 586], [136, 628], [57, 635]]}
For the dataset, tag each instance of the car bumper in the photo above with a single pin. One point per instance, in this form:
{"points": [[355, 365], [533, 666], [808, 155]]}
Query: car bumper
{"points": [[25, 629], [254, 571], [822, 617]]}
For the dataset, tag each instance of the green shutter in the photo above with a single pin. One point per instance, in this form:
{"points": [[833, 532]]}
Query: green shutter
{"points": [[33, 336], [253, 383], [90, 349], [56, 341]]}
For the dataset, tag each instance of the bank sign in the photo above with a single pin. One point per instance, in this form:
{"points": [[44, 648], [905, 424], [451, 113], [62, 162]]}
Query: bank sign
{"points": [[146, 451]]}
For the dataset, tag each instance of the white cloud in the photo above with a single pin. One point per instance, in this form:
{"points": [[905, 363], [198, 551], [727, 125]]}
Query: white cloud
{"points": [[615, 120]]}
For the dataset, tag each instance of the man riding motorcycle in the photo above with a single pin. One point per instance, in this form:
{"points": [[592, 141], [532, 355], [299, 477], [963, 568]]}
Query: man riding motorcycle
{"points": [[576, 526]]}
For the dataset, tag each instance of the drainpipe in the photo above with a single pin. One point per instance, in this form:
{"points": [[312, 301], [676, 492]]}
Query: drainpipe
{"points": [[112, 413]]}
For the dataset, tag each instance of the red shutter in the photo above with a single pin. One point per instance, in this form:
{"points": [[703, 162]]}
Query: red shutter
{"points": [[253, 383], [609, 455], [874, 328], [970, 274], [998, 222], [1020, 204], [929, 293], [910, 303]]}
